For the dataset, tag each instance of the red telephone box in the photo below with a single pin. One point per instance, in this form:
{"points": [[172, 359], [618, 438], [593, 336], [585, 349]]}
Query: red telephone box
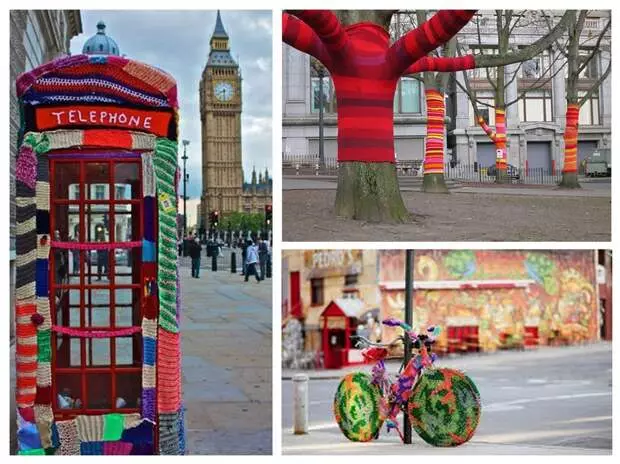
{"points": [[98, 343], [338, 323]]}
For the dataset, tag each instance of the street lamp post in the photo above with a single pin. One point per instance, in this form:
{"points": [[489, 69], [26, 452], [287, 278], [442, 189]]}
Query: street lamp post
{"points": [[408, 321], [185, 176]]}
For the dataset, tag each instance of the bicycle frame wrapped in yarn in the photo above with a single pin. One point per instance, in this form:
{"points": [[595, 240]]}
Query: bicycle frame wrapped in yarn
{"points": [[128, 111]]}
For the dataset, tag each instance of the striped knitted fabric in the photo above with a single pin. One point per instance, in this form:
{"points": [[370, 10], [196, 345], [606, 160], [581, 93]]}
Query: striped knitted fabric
{"points": [[91, 448], [498, 136], [435, 115], [90, 428], [570, 138], [168, 372], [365, 70], [165, 163], [169, 434], [112, 77], [117, 447]]}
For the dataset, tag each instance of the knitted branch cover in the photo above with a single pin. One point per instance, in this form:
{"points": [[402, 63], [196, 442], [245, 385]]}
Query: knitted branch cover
{"points": [[356, 407], [444, 407], [93, 102]]}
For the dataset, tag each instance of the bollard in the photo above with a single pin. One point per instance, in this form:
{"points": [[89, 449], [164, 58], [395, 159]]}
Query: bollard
{"points": [[297, 169], [233, 263], [300, 404], [316, 170], [213, 261]]}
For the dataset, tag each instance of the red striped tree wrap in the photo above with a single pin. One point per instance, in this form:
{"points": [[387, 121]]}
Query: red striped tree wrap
{"points": [[500, 138], [435, 114], [365, 70], [570, 138]]}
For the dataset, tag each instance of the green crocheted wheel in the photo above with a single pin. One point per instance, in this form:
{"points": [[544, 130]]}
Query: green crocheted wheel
{"points": [[356, 407], [444, 407]]}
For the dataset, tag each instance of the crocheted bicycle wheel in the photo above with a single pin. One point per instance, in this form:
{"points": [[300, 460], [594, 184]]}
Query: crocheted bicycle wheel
{"points": [[356, 407], [444, 407]]}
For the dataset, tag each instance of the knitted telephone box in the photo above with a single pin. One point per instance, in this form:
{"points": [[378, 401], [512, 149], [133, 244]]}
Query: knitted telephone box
{"points": [[97, 290]]}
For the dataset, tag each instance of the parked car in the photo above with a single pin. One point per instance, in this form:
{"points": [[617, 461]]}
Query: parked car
{"points": [[599, 163], [511, 171]]}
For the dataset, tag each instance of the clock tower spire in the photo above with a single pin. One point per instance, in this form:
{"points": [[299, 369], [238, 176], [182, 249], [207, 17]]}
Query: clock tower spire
{"points": [[220, 114]]}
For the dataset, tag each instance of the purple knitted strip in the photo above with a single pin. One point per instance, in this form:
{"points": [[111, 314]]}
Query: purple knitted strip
{"points": [[148, 403], [26, 167], [25, 80], [105, 155]]}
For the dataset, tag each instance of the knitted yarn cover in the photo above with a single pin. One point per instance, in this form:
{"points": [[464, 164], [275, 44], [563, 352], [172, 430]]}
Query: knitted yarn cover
{"points": [[356, 407]]}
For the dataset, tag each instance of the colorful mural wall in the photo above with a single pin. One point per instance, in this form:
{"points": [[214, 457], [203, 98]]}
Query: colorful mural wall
{"points": [[503, 293]]}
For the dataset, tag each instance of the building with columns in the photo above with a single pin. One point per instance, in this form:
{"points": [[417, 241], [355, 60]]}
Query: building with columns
{"points": [[223, 186], [535, 125]]}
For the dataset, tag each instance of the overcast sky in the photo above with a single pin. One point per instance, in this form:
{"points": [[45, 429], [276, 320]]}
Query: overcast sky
{"points": [[178, 43]]}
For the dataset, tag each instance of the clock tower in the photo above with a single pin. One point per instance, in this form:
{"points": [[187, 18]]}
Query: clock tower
{"points": [[220, 115]]}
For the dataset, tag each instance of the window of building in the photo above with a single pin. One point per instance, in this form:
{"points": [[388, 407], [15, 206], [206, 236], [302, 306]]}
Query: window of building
{"points": [[317, 290], [485, 103], [99, 192], [536, 106], [329, 93], [407, 97], [350, 279], [591, 71], [537, 67], [589, 113]]}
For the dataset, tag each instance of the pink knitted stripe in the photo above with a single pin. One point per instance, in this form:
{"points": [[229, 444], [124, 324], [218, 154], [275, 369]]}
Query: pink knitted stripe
{"points": [[96, 333], [95, 246]]}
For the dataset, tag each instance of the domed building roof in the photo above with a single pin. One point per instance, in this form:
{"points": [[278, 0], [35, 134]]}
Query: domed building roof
{"points": [[100, 43]]}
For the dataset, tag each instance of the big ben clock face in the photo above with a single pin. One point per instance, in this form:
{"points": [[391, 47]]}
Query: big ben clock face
{"points": [[224, 91]]}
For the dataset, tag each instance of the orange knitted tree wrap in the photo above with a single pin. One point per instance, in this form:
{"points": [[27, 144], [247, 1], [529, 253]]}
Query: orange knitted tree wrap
{"points": [[498, 136], [435, 111], [570, 138]]}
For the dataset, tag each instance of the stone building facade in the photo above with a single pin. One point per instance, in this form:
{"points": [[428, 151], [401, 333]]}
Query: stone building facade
{"points": [[36, 37]]}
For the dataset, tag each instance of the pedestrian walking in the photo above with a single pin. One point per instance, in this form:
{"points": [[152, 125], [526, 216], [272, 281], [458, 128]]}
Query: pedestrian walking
{"points": [[244, 254], [263, 256], [251, 262], [195, 249], [102, 262]]}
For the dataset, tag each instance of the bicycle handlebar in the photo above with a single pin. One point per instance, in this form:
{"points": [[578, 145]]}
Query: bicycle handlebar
{"points": [[367, 342]]}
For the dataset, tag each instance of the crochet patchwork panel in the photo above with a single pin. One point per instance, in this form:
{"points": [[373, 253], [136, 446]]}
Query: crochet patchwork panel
{"points": [[138, 91]]}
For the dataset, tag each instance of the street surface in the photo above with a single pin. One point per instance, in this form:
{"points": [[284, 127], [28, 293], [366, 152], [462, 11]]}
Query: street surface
{"points": [[489, 213], [545, 401], [227, 363]]}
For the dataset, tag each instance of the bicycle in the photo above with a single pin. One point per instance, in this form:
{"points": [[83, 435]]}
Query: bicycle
{"points": [[443, 404]]}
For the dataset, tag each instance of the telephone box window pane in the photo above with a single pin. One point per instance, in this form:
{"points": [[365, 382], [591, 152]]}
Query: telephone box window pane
{"points": [[126, 182], [97, 223], [98, 308], [126, 223], [69, 391], [97, 178], [123, 316], [99, 391], [98, 352], [99, 267], [66, 222], [68, 353], [128, 389], [128, 352], [124, 270], [67, 181]]}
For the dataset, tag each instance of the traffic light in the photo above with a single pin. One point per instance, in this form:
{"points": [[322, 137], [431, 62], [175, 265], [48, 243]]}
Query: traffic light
{"points": [[214, 218], [268, 215]]}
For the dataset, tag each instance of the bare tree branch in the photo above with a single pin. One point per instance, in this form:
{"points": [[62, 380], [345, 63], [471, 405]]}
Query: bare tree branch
{"points": [[595, 86], [595, 49], [561, 49]]}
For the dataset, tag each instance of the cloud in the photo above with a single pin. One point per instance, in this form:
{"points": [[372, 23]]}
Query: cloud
{"points": [[178, 43]]}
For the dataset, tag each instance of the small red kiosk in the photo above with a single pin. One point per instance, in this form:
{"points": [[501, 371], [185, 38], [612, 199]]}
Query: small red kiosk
{"points": [[338, 323]]}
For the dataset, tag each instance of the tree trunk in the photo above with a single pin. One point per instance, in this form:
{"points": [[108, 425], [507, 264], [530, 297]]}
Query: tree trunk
{"points": [[569, 173], [434, 181], [369, 192], [500, 146]]}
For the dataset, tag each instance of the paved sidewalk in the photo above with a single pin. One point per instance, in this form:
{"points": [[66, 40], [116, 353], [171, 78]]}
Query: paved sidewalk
{"points": [[480, 361], [227, 362]]}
